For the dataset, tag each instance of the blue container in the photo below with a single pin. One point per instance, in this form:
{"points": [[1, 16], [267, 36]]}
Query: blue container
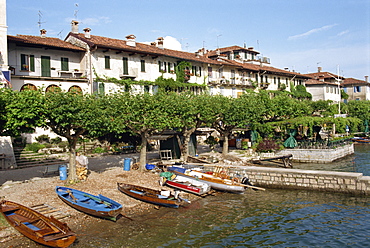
{"points": [[149, 166], [127, 164], [174, 168], [62, 172]]}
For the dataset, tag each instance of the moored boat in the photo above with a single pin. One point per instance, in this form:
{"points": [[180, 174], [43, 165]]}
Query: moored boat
{"points": [[36, 226], [361, 140], [184, 183], [153, 196], [96, 205]]}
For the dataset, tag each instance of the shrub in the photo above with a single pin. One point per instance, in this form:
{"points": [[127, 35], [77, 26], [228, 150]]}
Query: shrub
{"points": [[99, 150], [63, 144], [34, 147], [43, 138], [267, 145], [56, 140]]}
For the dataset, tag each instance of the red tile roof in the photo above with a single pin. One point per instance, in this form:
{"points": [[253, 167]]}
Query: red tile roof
{"points": [[109, 43], [267, 69], [325, 75], [43, 41], [353, 81], [229, 49], [313, 82]]}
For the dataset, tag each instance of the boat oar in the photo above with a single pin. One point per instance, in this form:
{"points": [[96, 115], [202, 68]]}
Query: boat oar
{"points": [[249, 186], [98, 200]]}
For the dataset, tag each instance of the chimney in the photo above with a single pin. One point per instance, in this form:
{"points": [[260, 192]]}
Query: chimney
{"points": [[367, 79], [74, 27], [153, 43], [130, 40], [319, 69], [87, 33], [160, 42], [43, 33]]}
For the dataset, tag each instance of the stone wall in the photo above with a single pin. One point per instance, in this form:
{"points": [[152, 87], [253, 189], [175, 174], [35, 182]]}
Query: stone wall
{"points": [[7, 159], [345, 182], [318, 155]]}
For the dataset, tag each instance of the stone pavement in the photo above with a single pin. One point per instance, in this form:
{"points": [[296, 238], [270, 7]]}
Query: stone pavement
{"points": [[98, 163]]}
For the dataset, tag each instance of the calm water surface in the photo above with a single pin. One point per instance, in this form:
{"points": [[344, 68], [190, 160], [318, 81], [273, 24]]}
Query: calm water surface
{"points": [[271, 218]]}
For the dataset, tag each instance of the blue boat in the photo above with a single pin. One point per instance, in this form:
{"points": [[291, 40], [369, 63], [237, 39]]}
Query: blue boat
{"points": [[96, 205]]}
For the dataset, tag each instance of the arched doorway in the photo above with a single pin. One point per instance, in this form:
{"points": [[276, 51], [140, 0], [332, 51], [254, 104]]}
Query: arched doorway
{"points": [[28, 87], [53, 88], [75, 89]]}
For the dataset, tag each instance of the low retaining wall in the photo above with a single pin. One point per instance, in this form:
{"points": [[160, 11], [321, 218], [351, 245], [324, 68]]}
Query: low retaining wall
{"points": [[318, 155], [345, 182]]}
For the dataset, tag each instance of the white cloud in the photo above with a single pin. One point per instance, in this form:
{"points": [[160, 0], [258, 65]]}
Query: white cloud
{"points": [[312, 31], [171, 43], [343, 33]]}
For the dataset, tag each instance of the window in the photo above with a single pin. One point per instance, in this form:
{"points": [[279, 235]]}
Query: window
{"points": [[164, 67], [169, 67], [107, 62], [160, 66], [142, 65], [45, 66], [274, 80], [27, 62], [200, 71], [64, 64], [125, 65], [356, 89]]}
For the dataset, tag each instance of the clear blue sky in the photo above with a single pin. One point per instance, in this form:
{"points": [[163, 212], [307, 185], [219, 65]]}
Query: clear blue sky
{"points": [[298, 34]]}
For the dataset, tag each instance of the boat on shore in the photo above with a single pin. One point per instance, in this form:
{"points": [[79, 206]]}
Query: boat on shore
{"points": [[184, 183], [36, 226], [215, 182], [96, 205], [153, 196], [364, 140]]}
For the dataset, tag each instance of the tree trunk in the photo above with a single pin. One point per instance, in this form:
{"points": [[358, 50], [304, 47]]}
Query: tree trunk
{"points": [[72, 176], [225, 147], [185, 144], [144, 142]]}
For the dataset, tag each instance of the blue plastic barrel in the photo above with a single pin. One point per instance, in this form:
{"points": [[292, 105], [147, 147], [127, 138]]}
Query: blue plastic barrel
{"points": [[62, 172], [127, 164]]}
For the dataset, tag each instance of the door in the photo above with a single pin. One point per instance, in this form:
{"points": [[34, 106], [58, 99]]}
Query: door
{"points": [[45, 66]]}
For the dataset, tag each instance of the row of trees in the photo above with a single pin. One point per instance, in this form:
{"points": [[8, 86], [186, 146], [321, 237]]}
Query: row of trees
{"points": [[94, 116]]}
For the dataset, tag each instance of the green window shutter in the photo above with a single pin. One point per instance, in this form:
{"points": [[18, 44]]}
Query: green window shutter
{"points": [[169, 67], [160, 66], [142, 63], [45, 66], [24, 62], [125, 65], [107, 62], [64, 64], [32, 62]]}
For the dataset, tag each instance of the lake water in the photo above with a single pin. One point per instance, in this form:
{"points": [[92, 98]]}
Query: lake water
{"points": [[271, 218]]}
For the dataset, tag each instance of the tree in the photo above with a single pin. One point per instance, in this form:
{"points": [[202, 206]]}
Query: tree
{"points": [[21, 112], [144, 115], [72, 115]]}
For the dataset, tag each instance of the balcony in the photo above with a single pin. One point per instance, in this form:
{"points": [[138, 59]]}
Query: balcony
{"points": [[70, 74], [132, 73]]}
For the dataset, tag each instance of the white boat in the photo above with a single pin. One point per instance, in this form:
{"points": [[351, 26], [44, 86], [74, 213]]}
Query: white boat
{"points": [[186, 183]]}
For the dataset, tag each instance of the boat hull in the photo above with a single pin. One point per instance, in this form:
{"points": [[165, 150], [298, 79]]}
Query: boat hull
{"points": [[36, 226], [188, 184], [95, 205], [215, 183], [148, 195]]}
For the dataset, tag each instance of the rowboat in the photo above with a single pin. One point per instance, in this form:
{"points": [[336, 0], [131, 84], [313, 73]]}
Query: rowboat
{"points": [[36, 226], [361, 140], [216, 183], [184, 183], [157, 197], [96, 205]]}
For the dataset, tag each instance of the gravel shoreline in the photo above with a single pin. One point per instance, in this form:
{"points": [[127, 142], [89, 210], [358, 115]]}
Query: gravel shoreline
{"points": [[42, 190]]}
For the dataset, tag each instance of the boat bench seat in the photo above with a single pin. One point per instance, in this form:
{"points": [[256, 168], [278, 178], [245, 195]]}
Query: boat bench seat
{"points": [[44, 232], [58, 236]]}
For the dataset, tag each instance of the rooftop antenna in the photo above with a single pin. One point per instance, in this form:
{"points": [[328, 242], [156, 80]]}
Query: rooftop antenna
{"points": [[217, 40], [59, 34], [40, 17], [75, 14]]}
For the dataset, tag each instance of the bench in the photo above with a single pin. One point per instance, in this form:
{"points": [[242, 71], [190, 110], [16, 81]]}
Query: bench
{"points": [[51, 169]]}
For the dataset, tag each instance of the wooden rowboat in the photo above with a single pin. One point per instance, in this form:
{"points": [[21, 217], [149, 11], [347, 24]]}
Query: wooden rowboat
{"points": [[36, 226], [96, 205], [157, 197], [184, 183]]}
